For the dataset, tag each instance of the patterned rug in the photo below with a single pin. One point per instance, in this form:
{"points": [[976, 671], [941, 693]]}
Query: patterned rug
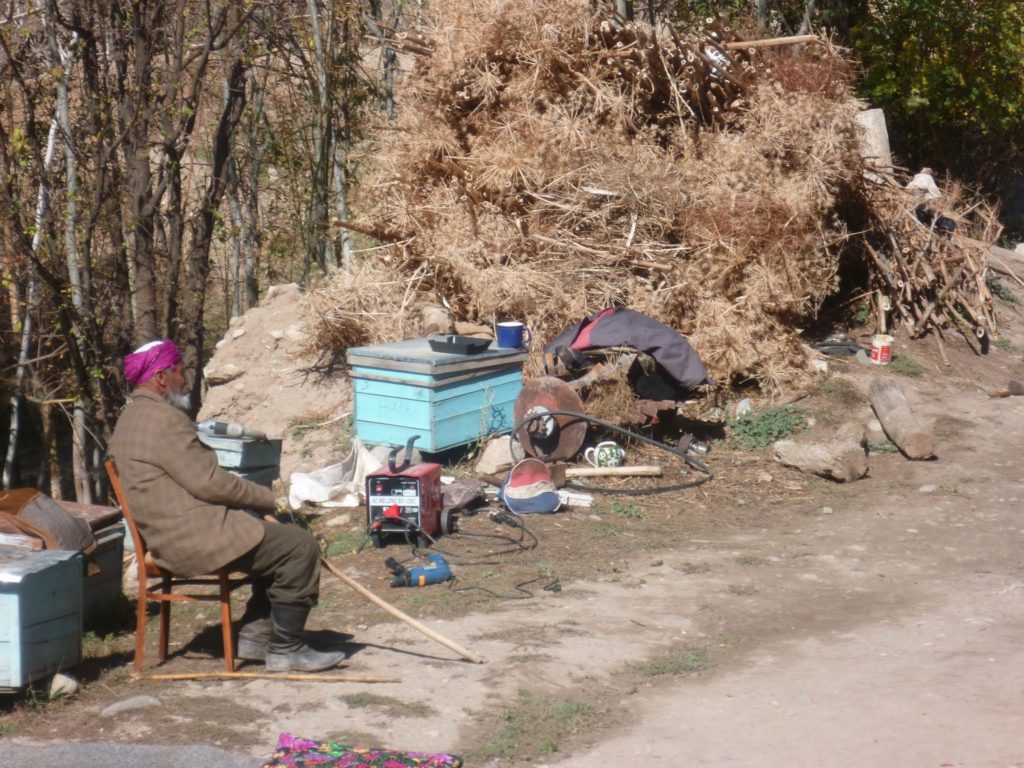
{"points": [[293, 752]]}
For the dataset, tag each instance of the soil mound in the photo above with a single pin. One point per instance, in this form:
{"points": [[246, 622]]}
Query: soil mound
{"points": [[263, 376]]}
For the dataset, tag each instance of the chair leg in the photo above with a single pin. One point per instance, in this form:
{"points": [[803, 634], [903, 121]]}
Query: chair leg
{"points": [[165, 620], [140, 629], [225, 622]]}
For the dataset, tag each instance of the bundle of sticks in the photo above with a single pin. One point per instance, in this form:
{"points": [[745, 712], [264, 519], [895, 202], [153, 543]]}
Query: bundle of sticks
{"points": [[930, 278]]}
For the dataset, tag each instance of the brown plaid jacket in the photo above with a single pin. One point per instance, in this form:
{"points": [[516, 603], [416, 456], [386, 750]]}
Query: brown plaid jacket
{"points": [[187, 508]]}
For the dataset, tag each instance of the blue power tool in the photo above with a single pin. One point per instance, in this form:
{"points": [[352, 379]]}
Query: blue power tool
{"points": [[420, 575]]}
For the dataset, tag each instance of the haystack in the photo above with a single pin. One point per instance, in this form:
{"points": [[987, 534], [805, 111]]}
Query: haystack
{"points": [[550, 160]]}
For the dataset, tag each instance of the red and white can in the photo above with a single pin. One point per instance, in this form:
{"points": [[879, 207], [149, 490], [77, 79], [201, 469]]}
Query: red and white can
{"points": [[881, 349]]}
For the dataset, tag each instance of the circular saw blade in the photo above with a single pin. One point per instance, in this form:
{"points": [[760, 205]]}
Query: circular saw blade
{"points": [[555, 437]]}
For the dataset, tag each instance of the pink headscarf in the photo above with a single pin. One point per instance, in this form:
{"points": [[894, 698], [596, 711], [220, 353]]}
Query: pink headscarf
{"points": [[149, 359]]}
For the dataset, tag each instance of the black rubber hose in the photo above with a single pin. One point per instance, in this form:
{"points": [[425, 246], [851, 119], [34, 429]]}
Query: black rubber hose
{"points": [[697, 464]]}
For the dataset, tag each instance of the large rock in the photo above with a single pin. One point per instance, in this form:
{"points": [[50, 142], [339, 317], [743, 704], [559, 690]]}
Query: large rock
{"points": [[496, 453], [842, 458]]}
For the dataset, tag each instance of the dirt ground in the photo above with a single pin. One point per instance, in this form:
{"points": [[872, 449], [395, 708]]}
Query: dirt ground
{"points": [[766, 618]]}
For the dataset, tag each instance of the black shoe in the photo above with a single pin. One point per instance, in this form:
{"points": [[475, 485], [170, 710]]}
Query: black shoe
{"points": [[287, 651], [254, 639], [304, 660], [254, 632]]}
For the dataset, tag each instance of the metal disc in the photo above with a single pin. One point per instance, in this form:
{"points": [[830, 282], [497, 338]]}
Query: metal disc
{"points": [[556, 437]]}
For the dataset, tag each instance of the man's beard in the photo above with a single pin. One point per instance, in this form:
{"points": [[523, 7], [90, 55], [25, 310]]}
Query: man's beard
{"points": [[179, 400]]}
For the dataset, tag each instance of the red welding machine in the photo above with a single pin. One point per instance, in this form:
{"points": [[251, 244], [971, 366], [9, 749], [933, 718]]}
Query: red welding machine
{"points": [[405, 500]]}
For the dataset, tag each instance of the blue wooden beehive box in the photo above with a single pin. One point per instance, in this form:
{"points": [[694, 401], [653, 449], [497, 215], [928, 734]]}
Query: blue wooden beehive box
{"points": [[406, 388], [255, 459], [40, 614]]}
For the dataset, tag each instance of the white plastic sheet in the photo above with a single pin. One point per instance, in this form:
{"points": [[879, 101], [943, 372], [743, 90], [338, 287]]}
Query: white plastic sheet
{"points": [[339, 485]]}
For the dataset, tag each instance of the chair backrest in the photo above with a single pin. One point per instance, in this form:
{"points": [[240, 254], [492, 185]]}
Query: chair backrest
{"points": [[115, 483]]}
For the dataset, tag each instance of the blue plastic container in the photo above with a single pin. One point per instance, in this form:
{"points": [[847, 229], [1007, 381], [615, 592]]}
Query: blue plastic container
{"points": [[406, 388]]}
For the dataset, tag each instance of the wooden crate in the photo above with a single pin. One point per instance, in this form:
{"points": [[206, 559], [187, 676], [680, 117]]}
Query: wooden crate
{"points": [[40, 614]]}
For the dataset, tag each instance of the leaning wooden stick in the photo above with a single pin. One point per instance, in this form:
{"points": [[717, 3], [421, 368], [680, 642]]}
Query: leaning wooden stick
{"points": [[272, 676], [403, 616]]}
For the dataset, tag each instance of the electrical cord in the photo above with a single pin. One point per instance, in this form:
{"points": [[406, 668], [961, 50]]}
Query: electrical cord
{"points": [[414, 534], [696, 463], [507, 518], [552, 586]]}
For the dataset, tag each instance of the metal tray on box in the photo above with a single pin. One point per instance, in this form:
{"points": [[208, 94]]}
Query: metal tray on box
{"points": [[458, 345]]}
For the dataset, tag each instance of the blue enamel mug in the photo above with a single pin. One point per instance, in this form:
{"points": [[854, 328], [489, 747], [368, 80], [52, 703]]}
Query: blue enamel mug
{"points": [[513, 335]]}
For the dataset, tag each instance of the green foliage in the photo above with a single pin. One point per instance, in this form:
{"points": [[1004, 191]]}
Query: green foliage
{"points": [[906, 366], [681, 661], [1005, 345], [883, 447], [861, 315], [345, 543], [1000, 290], [753, 432], [389, 704], [627, 510], [534, 725], [950, 76]]}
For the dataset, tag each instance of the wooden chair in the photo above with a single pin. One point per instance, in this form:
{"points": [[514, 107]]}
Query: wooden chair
{"points": [[162, 592]]}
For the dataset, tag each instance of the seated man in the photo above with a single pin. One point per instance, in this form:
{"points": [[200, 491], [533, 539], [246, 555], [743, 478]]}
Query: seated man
{"points": [[192, 514]]}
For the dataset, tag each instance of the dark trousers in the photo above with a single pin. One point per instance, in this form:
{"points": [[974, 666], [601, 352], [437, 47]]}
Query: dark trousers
{"points": [[285, 565]]}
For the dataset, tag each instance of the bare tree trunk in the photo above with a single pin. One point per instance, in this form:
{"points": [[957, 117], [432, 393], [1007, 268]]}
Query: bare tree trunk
{"points": [[49, 470], [202, 230], [135, 116], [323, 150], [174, 215], [42, 206], [340, 161], [259, 143], [80, 442], [19, 378], [238, 234], [62, 59]]}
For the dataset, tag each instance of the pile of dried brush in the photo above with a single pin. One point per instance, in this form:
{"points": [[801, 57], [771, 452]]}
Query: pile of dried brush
{"points": [[549, 160]]}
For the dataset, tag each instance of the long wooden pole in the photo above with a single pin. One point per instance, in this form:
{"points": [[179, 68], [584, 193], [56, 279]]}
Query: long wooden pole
{"points": [[792, 40], [272, 676], [469, 656]]}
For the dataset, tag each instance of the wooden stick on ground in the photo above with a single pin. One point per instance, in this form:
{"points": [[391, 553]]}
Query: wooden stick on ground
{"points": [[469, 656], [638, 470], [272, 676]]}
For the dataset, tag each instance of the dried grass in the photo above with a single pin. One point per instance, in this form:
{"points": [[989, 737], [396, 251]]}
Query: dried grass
{"points": [[548, 162]]}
